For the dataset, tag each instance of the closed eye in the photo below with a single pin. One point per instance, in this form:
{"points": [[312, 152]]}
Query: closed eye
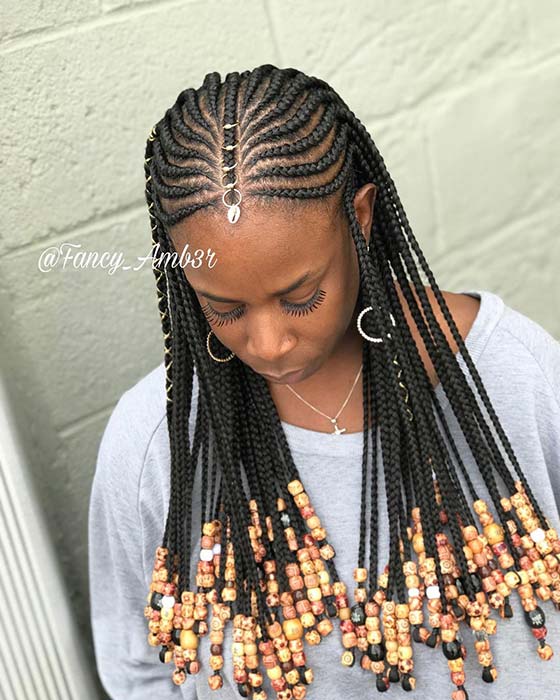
{"points": [[222, 318]]}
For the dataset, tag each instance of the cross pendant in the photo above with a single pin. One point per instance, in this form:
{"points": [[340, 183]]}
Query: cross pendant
{"points": [[337, 430]]}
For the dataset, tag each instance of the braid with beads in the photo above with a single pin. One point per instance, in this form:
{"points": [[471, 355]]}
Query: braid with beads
{"points": [[266, 564]]}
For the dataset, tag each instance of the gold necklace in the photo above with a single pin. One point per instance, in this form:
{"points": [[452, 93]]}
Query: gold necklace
{"points": [[337, 430]]}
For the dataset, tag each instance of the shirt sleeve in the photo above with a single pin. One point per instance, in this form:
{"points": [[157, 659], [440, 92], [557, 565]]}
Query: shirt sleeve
{"points": [[540, 367], [548, 359], [128, 667]]}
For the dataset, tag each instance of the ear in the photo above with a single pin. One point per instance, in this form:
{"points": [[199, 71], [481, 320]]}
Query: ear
{"points": [[364, 201]]}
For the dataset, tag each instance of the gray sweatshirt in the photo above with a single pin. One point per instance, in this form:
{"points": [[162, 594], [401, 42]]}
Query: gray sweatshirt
{"points": [[520, 365]]}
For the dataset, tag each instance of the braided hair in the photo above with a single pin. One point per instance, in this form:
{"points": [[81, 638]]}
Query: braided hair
{"points": [[265, 562]]}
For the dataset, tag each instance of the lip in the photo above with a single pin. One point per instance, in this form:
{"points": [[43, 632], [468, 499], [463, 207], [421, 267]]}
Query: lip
{"points": [[284, 377]]}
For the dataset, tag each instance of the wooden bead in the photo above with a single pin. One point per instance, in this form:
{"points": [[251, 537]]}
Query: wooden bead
{"points": [[307, 619], [179, 677], [494, 533], [360, 575], [296, 583], [295, 487], [275, 629], [325, 627], [458, 695], [319, 533], [301, 499], [188, 639], [313, 637], [470, 533], [480, 506], [314, 594], [293, 629], [545, 652], [402, 610], [349, 640], [311, 580], [274, 673]]}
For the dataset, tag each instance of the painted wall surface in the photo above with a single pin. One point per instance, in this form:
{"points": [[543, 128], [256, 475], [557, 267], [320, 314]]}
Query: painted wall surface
{"points": [[460, 97]]}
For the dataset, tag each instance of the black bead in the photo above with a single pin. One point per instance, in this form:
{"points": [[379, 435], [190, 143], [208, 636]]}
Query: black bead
{"points": [[476, 582], [433, 638], [458, 610], [243, 690], [451, 650], [196, 626], [155, 600], [302, 678], [460, 586], [381, 683], [376, 652], [405, 681], [487, 674], [508, 612], [176, 636], [358, 614], [535, 618], [298, 596], [162, 653], [394, 674], [416, 633], [331, 609]]}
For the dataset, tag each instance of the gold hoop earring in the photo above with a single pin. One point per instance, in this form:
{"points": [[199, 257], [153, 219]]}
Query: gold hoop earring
{"points": [[217, 359]]}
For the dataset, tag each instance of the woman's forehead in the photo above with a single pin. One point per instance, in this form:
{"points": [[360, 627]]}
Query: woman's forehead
{"points": [[268, 251]]}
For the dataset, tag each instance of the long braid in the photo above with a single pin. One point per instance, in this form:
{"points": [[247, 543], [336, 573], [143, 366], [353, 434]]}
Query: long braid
{"points": [[282, 135]]}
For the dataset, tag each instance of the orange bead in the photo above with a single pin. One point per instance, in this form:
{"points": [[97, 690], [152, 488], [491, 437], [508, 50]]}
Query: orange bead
{"points": [[293, 629]]}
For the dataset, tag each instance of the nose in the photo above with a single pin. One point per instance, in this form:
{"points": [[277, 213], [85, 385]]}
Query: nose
{"points": [[268, 340]]}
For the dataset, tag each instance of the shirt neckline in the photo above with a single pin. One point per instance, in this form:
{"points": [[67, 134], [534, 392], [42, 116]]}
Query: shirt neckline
{"points": [[488, 316]]}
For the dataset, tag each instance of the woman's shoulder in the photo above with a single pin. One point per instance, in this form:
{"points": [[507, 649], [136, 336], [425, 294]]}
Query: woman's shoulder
{"points": [[137, 414], [137, 421], [522, 351]]}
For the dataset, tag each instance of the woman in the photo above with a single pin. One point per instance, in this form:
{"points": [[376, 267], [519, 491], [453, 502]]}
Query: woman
{"points": [[360, 468]]}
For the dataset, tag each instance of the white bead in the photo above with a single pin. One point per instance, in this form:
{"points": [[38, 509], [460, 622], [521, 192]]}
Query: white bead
{"points": [[206, 555], [433, 592], [538, 535], [217, 548], [168, 601], [413, 592]]}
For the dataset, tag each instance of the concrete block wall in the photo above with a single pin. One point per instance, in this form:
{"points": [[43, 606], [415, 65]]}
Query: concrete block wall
{"points": [[460, 97]]}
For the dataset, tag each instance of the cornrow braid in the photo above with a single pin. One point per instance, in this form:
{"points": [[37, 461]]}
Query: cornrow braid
{"points": [[266, 563]]}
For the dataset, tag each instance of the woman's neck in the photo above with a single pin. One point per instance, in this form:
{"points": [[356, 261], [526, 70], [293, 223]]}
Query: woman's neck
{"points": [[328, 386]]}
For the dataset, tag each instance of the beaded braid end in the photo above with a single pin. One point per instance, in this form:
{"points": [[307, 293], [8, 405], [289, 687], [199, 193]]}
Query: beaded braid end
{"points": [[379, 628]]}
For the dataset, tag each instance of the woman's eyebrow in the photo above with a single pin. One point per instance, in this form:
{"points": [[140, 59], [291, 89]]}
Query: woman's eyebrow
{"points": [[290, 288]]}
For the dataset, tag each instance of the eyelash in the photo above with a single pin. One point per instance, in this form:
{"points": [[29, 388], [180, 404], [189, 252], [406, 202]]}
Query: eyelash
{"points": [[293, 309]]}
